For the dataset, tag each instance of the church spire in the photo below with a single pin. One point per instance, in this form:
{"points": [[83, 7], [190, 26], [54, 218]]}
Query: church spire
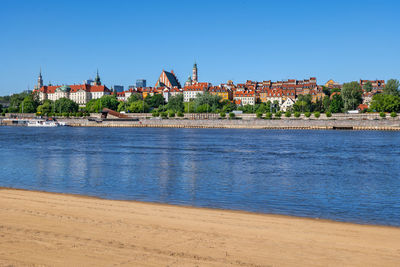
{"points": [[97, 79], [40, 80], [194, 73]]}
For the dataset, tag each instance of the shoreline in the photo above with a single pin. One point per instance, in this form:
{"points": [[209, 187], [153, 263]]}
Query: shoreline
{"points": [[58, 229], [196, 207]]}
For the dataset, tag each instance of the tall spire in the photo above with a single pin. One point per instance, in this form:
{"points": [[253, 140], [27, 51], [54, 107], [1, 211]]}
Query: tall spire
{"points": [[97, 79], [40, 80], [194, 73]]}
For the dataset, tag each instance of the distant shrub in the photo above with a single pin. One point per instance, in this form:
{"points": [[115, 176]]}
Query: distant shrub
{"points": [[232, 115], [297, 114], [307, 114], [180, 114], [164, 115], [278, 114], [155, 113], [65, 114], [259, 114], [328, 114], [268, 115], [79, 114], [222, 114], [3, 114], [288, 114], [382, 114], [171, 114], [317, 114], [393, 114]]}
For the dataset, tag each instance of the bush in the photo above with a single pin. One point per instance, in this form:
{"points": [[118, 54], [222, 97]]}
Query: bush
{"points": [[155, 113], [288, 114], [222, 114], [317, 114], [79, 114], [164, 115], [278, 114], [382, 114], [65, 114], [393, 114], [307, 114], [232, 115], [171, 114], [268, 115], [180, 114], [328, 114], [259, 114], [3, 114], [297, 114]]}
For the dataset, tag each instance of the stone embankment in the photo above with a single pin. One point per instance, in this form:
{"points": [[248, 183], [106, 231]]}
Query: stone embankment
{"points": [[297, 124]]}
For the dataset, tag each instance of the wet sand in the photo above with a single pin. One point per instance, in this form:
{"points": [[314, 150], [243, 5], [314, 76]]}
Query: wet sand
{"points": [[46, 229]]}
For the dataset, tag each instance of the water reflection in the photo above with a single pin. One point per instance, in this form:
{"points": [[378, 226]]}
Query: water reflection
{"points": [[348, 176]]}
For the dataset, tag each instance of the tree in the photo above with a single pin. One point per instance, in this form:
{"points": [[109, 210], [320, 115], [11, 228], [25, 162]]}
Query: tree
{"points": [[138, 107], [134, 97], [336, 105], [367, 86], [351, 95], [155, 101], [326, 103], [385, 103], [46, 107], [109, 101], [392, 87], [213, 101], [303, 103], [175, 103], [28, 105], [65, 105]]}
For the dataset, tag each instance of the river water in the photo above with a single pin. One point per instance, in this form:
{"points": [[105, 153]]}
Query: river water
{"points": [[351, 176]]}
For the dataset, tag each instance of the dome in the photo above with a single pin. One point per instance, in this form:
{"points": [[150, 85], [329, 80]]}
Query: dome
{"points": [[64, 88]]}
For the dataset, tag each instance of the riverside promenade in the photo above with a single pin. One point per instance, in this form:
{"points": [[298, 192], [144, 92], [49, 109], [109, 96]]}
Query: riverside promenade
{"points": [[249, 121]]}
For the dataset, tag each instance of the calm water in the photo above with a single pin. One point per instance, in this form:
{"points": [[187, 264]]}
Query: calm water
{"points": [[341, 175]]}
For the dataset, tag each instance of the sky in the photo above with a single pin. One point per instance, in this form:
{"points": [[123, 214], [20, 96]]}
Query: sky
{"points": [[229, 40]]}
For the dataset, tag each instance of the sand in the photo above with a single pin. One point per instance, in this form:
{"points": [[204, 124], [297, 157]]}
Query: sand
{"points": [[46, 229]]}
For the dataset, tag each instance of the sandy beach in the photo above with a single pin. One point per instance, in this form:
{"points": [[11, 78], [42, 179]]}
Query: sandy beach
{"points": [[46, 229]]}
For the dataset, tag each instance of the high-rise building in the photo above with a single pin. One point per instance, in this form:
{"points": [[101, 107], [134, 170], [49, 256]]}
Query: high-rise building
{"points": [[140, 83], [118, 88]]}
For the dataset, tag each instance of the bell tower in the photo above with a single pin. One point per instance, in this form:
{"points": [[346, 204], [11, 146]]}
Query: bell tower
{"points": [[40, 80], [194, 74]]}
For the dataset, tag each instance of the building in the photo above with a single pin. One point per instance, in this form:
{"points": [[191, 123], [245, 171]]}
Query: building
{"points": [[168, 79], [287, 104], [244, 97], [331, 84], [195, 74], [141, 83], [81, 93], [118, 88], [377, 85], [223, 92], [168, 93], [191, 92]]}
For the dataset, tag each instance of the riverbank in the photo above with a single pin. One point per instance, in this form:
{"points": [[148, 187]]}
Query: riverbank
{"points": [[49, 229], [285, 124]]}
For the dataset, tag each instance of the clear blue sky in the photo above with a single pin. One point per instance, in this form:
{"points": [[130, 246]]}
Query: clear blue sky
{"points": [[237, 40]]}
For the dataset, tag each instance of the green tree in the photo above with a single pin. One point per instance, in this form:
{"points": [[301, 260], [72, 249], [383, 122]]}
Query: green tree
{"points": [[109, 101], [175, 103], [326, 103], [368, 86], [351, 95], [28, 105], [213, 102], [228, 106], [336, 105], [189, 107], [155, 101], [392, 87], [46, 107], [385, 103], [134, 97], [138, 107], [65, 105], [121, 106]]}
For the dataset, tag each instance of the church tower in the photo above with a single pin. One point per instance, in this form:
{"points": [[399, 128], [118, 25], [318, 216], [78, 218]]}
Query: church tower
{"points": [[97, 79], [40, 80], [194, 75]]}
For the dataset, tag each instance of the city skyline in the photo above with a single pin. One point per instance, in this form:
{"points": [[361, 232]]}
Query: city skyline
{"points": [[240, 41]]}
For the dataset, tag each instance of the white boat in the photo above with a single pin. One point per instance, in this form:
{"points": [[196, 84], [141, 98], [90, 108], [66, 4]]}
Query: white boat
{"points": [[42, 123]]}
